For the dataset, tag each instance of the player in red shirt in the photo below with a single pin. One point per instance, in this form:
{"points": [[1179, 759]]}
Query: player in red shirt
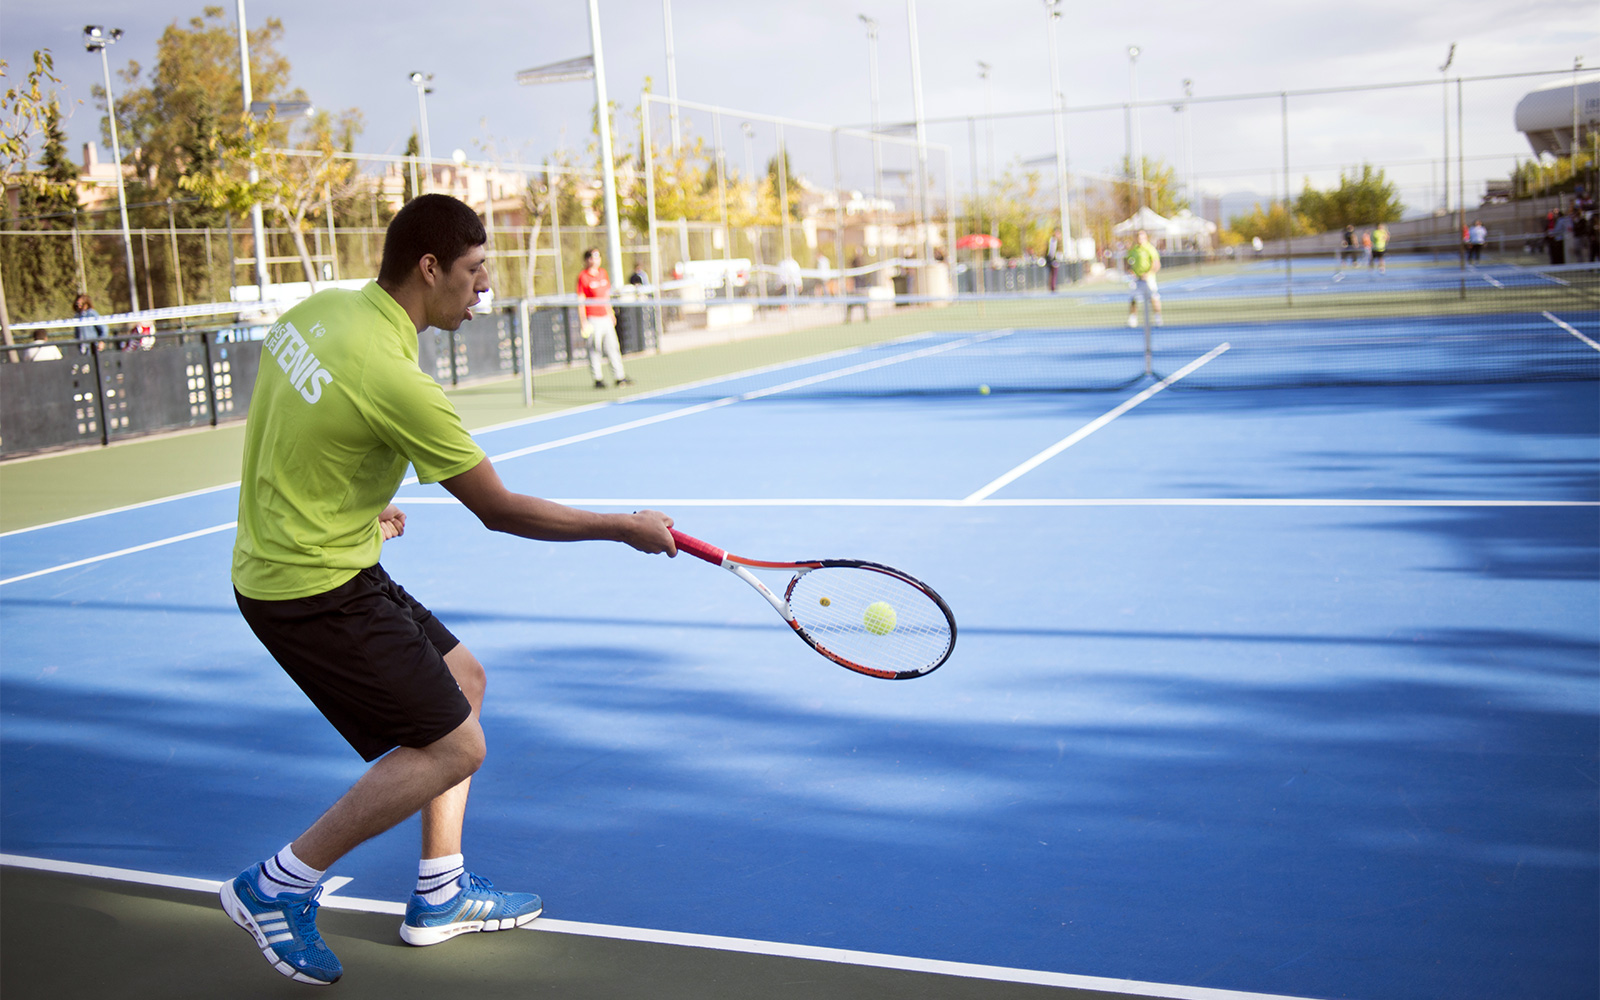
{"points": [[599, 320]]}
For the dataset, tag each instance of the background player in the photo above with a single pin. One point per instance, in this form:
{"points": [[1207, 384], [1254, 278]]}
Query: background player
{"points": [[1143, 263]]}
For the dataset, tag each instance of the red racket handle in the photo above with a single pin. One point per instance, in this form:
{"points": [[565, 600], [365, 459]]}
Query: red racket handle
{"points": [[695, 547]]}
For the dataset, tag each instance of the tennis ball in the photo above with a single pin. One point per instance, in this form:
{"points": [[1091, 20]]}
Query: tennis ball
{"points": [[983, 390], [879, 618], [825, 602]]}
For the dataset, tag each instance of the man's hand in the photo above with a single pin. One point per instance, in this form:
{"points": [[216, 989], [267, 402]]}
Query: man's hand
{"points": [[647, 531], [392, 522]]}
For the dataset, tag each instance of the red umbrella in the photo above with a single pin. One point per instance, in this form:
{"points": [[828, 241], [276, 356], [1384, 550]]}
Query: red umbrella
{"points": [[978, 241]]}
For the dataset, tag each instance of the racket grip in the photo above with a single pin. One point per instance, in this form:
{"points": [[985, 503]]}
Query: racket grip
{"points": [[695, 547]]}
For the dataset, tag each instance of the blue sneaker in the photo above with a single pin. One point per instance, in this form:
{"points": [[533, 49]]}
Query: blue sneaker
{"points": [[477, 907], [285, 928]]}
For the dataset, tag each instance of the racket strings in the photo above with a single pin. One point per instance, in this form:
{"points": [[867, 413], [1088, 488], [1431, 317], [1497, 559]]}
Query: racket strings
{"points": [[871, 618]]}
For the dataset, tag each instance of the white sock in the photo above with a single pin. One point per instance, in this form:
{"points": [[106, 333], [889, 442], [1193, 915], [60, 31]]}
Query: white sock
{"points": [[437, 878], [285, 873]]}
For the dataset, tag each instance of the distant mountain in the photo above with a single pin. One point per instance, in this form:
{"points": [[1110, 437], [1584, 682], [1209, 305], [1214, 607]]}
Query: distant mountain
{"points": [[1239, 203]]}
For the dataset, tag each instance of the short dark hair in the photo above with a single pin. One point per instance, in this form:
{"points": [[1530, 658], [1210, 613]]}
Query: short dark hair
{"points": [[429, 224], [592, 250]]}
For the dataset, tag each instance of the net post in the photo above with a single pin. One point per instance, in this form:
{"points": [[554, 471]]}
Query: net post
{"points": [[650, 207], [1149, 360], [525, 339]]}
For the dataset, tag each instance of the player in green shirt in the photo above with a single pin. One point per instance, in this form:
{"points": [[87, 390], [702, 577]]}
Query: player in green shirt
{"points": [[1143, 263], [340, 409]]}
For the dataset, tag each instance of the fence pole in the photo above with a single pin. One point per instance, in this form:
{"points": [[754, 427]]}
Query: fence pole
{"points": [[172, 241], [1288, 206], [1461, 188]]}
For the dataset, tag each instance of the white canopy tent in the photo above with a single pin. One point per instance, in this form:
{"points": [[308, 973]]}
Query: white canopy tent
{"points": [[1145, 218], [1184, 228]]}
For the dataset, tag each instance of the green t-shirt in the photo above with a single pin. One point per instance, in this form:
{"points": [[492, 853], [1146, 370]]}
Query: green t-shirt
{"points": [[339, 410], [1142, 259]]}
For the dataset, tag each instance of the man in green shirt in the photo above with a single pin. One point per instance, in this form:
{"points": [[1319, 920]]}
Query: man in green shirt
{"points": [[1143, 263], [340, 409]]}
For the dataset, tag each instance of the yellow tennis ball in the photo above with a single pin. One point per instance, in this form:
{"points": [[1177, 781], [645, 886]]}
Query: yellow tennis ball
{"points": [[825, 602], [983, 390], [879, 618]]}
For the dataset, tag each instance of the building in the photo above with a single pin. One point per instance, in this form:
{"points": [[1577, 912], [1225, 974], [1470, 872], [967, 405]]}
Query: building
{"points": [[1561, 117]]}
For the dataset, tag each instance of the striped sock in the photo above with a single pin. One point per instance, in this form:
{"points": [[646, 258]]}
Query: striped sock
{"points": [[284, 873], [437, 878]]}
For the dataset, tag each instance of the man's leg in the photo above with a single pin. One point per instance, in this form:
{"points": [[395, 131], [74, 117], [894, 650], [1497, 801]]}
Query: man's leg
{"points": [[450, 901], [393, 789], [442, 818], [614, 354]]}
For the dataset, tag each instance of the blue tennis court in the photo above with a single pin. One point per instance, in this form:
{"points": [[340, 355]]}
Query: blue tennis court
{"points": [[1274, 691]]}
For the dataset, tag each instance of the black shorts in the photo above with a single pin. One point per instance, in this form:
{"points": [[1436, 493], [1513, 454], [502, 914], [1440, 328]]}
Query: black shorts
{"points": [[370, 657]]}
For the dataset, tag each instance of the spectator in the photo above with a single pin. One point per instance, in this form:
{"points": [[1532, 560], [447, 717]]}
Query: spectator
{"points": [[1477, 236], [1560, 238], [84, 309], [42, 350]]}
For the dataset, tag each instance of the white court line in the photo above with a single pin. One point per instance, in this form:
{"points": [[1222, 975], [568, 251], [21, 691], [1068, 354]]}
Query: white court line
{"points": [[746, 946], [519, 422], [123, 552], [574, 439], [635, 503], [743, 397], [120, 510], [1092, 426], [1571, 329]]}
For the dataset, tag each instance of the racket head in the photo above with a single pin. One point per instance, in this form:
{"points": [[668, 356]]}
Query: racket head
{"points": [[870, 618]]}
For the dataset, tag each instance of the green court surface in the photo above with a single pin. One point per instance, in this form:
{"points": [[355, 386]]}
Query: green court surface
{"points": [[70, 936]]}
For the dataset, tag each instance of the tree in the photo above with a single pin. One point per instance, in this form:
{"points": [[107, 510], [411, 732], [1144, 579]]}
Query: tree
{"points": [[1361, 200], [43, 269], [22, 111], [412, 168], [1269, 224], [1022, 213], [295, 183], [166, 120], [1160, 189]]}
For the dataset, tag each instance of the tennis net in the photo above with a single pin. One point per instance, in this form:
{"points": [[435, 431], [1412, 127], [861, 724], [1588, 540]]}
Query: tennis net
{"points": [[1428, 326]]}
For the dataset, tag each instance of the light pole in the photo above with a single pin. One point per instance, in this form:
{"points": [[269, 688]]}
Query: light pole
{"points": [[1188, 147], [1444, 90], [95, 39], [877, 151], [421, 81], [1137, 152], [258, 236], [672, 74], [608, 174], [922, 136], [984, 69], [1052, 14]]}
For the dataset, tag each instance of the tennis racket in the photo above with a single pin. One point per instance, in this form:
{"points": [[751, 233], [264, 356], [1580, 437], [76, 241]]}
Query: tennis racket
{"points": [[866, 617]]}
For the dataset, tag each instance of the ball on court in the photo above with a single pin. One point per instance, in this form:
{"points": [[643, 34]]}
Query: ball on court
{"points": [[825, 602], [983, 390], [879, 618]]}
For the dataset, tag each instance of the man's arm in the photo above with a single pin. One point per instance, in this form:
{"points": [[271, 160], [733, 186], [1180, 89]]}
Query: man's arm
{"points": [[481, 491]]}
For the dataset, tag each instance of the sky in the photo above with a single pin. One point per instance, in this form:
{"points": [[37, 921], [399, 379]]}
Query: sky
{"points": [[809, 61]]}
